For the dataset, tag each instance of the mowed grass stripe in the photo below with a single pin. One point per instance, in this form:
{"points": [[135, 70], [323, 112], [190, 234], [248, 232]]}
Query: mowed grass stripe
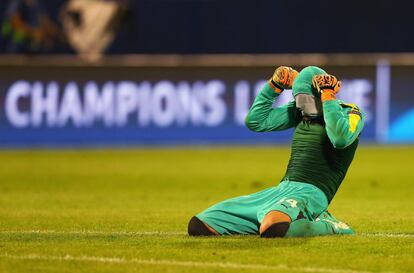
{"points": [[120, 260], [161, 233]]}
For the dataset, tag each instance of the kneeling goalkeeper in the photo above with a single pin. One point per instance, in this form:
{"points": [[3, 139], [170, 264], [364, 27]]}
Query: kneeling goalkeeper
{"points": [[324, 143]]}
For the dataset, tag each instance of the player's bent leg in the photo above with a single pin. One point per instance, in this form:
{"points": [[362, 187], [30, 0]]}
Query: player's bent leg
{"points": [[196, 227], [238, 215], [275, 224], [294, 201]]}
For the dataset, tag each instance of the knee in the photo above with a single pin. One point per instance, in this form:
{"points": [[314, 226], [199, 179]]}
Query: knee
{"points": [[197, 228], [275, 224], [277, 230]]}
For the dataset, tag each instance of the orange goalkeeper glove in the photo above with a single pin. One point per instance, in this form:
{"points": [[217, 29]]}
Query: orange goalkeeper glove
{"points": [[327, 85], [283, 78]]}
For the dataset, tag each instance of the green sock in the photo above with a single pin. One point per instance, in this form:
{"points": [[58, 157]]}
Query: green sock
{"points": [[306, 228]]}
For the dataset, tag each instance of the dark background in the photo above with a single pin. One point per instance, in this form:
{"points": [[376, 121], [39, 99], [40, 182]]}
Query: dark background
{"points": [[261, 26]]}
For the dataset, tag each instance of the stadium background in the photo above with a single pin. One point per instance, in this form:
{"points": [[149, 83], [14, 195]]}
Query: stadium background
{"points": [[189, 70], [120, 120]]}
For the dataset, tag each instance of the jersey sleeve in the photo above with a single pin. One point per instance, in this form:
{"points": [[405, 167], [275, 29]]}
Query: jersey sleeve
{"points": [[262, 117], [344, 122]]}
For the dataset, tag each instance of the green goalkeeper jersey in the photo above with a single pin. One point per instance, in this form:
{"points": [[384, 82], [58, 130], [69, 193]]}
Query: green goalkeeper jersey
{"points": [[322, 149]]}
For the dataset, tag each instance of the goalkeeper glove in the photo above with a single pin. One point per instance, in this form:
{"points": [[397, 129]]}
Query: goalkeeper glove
{"points": [[283, 78], [327, 85]]}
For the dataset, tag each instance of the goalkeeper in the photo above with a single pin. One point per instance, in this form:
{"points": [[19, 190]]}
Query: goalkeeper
{"points": [[324, 143]]}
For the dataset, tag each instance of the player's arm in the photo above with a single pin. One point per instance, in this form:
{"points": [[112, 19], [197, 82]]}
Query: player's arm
{"points": [[343, 124], [262, 117]]}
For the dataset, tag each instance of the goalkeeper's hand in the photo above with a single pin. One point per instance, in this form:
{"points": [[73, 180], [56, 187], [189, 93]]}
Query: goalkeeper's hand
{"points": [[327, 85], [283, 78]]}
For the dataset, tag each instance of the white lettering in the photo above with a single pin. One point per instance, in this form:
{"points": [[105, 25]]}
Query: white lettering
{"points": [[196, 104], [44, 104], [70, 108], [216, 106], [126, 102], [144, 104], [98, 106], [17, 91], [163, 103], [241, 101], [184, 96]]}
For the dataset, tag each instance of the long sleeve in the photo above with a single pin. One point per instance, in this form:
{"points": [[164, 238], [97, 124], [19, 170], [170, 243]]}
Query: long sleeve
{"points": [[262, 117], [344, 122]]}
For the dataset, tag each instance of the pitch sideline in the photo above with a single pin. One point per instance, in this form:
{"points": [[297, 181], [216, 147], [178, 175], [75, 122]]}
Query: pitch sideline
{"points": [[120, 260]]}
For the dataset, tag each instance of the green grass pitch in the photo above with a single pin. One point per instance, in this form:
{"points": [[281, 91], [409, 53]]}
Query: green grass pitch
{"points": [[127, 211]]}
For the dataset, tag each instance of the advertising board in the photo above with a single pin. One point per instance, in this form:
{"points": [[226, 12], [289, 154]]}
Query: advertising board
{"points": [[168, 105]]}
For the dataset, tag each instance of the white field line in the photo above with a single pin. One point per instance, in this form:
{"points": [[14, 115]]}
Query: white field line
{"points": [[121, 260], [164, 233], [95, 232], [402, 235]]}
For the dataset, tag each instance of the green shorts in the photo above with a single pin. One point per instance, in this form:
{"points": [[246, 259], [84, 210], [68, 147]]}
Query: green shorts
{"points": [[243, 215]]}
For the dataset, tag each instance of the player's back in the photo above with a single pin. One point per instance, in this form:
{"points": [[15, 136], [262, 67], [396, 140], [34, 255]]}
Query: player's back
{"points": [[314, 159]]}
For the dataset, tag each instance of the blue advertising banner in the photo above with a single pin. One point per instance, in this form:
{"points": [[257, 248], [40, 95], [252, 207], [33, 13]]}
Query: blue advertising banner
{"points": [[149, 106], [401, 123]]}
